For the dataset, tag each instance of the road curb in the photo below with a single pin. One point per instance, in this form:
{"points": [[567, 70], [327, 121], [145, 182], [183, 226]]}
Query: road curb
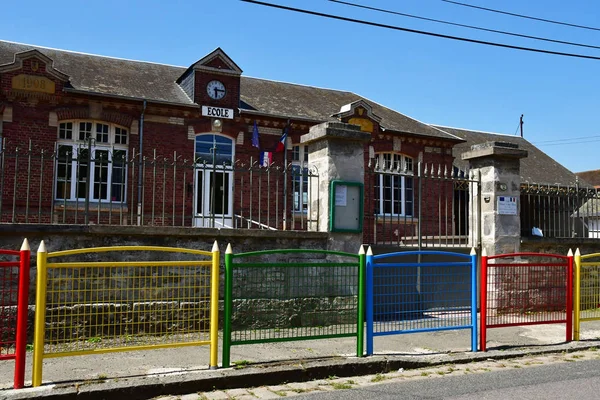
{"points": [[261, 374]]}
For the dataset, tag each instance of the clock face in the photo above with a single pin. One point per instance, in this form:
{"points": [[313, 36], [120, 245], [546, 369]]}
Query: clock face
{"points": [[215, 89]]}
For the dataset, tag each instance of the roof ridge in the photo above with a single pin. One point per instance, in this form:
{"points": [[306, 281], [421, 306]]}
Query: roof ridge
{"points": [[406, 116], [477, 131], [34, 46], [300, 84]]}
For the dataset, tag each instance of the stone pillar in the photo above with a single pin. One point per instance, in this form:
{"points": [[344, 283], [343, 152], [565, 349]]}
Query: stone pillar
{"points": [[496, 218], [337, 151]]}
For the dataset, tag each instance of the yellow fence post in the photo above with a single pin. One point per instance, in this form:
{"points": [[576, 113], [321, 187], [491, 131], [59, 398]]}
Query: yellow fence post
{"points": [[40, 315], [214, 308], [577, 295]]}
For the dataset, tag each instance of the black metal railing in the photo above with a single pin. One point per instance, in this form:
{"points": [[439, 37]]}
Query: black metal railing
{"points": [[108, 186], [557, 211]]}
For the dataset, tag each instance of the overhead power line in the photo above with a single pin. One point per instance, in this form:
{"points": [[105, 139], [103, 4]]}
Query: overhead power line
{"points": [[566, 144], [464, 25], [522, 16], [439, 35], [566, 140]]}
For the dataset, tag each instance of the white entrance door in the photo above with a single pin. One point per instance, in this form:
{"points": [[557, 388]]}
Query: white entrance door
{"points": [[213, 199]]}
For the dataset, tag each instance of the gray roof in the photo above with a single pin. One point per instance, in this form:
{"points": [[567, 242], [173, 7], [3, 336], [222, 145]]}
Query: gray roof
{"points": [[157, 82], [536, 168], [110, 76], [593, 177], [319, 104]]}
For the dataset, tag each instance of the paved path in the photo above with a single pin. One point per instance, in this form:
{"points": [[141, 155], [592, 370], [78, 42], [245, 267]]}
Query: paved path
{"points": [[146, 374]]}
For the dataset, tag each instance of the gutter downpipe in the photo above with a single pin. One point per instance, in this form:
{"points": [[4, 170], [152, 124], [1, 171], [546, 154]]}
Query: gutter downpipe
{"points": [[140, 175]]}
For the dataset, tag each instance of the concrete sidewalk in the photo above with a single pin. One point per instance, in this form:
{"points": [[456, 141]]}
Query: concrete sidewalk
{"points": [[150, 373]]}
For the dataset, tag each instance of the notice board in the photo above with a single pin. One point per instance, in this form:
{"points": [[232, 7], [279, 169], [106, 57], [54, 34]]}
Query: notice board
{"points": [[346, 206]]}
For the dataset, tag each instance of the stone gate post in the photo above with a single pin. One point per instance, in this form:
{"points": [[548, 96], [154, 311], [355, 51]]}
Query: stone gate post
{"points": [[336, 149], [498, 217]]}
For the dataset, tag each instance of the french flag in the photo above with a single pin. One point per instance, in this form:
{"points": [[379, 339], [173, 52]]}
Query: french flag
{"points": [[281, 144], [266, 158]]}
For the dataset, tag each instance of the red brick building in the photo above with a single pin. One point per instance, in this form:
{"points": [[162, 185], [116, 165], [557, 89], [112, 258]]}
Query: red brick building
{"points": [[73, 127]]}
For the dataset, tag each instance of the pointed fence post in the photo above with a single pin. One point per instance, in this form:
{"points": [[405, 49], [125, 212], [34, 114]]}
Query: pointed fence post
{"points": [[483, 300], [369, 301], [360, 328], [474, 336], [570, 297], [40, 314], [214, 308], [227, 297], [577, 295], [22, 311]]}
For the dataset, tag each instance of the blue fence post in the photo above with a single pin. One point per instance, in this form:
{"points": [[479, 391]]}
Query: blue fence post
{"points": [[473, 255], [369, 301]]}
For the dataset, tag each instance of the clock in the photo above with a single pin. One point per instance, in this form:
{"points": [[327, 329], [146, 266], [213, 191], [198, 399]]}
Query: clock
{"points": [[215, 90]]}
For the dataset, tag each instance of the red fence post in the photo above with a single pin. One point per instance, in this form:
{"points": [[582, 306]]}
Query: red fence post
{"points": [[570, 296], [483, 299], [22, 311]]}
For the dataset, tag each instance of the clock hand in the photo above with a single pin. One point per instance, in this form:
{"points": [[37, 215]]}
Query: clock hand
{"points": [[216, 92]]}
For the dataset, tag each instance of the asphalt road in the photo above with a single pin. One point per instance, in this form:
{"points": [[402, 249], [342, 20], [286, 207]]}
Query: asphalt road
{"points": [[565, 380]]}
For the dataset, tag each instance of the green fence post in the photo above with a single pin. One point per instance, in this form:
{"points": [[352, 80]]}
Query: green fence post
{"points": [[360, 328], [228, 305]]}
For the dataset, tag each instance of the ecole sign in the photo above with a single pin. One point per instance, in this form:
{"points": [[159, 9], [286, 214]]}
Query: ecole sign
{"points": [[217, 112]]}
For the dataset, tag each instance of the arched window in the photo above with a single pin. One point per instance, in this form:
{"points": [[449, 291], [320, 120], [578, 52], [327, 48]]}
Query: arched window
{"points": [[91, 161], [214, 149], [394, 190]]}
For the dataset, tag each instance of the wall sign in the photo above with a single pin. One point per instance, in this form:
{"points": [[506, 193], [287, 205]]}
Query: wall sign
{"points": [[507, 205], [217, 112], [33, 83]]}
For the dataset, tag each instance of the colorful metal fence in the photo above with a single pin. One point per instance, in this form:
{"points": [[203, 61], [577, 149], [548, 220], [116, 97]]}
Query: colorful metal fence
{"points": [[85, 307], [419, 295], [587, 290], [14, 291], [302, 295], [517, 292]]}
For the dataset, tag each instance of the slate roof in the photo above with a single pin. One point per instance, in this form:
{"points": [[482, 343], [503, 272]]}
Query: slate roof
{"points": [[592, 177], [319, 104], [157, 82], [536, 168], [110, 76]]}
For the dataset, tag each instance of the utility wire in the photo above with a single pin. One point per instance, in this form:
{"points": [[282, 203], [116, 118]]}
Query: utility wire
{"points": [[595, 137], [464, 25], [516, 130], [566, 144], [522, 16], [439, 35]]}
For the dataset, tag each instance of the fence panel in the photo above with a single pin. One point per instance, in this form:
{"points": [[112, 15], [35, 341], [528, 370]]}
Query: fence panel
{"points": [[522, 293], [154, 189], [587, 290], [85, 307], [560, 211], [424, 206], [418, 296], [14, 291], [310, 294]]}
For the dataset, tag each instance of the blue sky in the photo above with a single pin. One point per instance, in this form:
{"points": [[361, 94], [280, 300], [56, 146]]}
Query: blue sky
{"points": [[431, 79]]}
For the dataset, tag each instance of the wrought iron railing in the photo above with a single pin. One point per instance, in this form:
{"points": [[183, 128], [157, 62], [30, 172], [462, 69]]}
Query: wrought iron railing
{"points": [[111, 187], [557, 211], [429, 206]]}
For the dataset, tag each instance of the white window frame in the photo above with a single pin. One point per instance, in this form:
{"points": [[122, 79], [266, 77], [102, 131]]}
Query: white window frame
{"points": [[300, 164], [394, 185], [202, 175], [103, 137]]}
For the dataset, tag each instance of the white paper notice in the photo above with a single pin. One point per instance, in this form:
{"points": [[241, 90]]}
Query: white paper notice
{"points": [[507, 205], [341, 195]]}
